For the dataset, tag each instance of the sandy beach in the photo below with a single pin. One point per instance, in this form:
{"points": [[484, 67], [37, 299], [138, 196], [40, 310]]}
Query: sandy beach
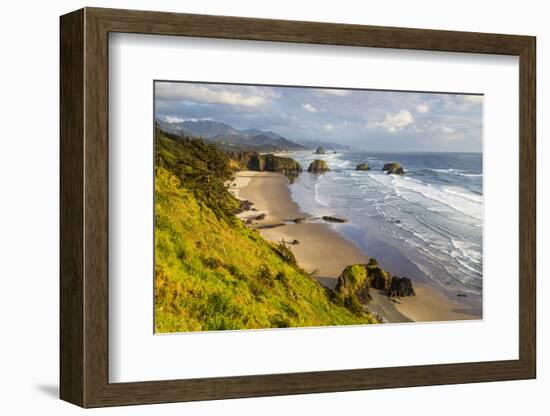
{"points": [[320, 249], [325, 253]]}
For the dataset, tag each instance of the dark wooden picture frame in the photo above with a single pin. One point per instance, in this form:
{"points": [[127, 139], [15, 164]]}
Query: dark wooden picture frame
{"points": [[84, 207]]}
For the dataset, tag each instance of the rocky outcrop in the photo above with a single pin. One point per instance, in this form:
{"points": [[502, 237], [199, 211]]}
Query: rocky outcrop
{"points": [[268, 226], [240, 159], [329, 218], [270, 163], [320, 151], [393, 168], [245, 205], [285, 165], [362, 166], [318, 166], [378, 278], [353, 283], [401, 287], [357, 280]]}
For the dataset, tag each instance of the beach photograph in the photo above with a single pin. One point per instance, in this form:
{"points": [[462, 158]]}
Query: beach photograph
{"points": [[296, 207]]}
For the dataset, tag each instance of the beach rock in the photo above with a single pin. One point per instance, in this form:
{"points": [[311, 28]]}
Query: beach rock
{"points": [[249, 221], [268, 226], [295, 242], [353, 283], [318, 166], [260, 217], [378, 278], [401, 286], [299, 220], [245, 205], [393, 168], [284, 165], [254, 161], [462, 295], [362, 166], [333, 219], [320, 151]]}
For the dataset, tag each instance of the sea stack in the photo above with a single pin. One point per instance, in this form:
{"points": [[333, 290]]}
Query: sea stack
{"points": [[318, 166], [393, 168], [400, 287], [320, 151], [284, 165], [362, 166]]}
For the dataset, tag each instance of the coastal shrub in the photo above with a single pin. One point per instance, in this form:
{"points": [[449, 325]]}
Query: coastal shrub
{"points": [[265, 273], [202, 168], [285, 253], [211, 262]]}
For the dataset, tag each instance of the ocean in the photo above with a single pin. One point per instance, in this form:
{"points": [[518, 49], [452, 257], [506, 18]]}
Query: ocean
{"points": [[426, 224]]}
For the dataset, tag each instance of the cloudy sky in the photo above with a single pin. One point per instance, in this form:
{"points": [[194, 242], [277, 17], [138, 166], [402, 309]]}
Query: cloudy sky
{"points": [[370, 120]]}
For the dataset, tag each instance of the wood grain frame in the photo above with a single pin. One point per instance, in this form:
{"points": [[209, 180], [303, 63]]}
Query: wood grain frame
{"points": [[84, 215]]}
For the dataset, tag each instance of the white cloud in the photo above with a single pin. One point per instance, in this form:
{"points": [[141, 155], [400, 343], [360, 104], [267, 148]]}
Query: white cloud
{"points": [[173, 119], [446, 129], [328, 127], [422, 108], [476, 99], [338, 93], [395, 122], [309, 107], [247, 96], [176, 119], [461, 103]]}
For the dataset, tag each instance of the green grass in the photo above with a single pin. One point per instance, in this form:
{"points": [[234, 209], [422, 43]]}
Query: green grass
{"points": [[213, 273]]}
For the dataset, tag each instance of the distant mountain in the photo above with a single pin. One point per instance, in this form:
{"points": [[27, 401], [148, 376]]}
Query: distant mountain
{"points": [[257, 132], [174, 128], [265, 139], [231, 138], [314, 144], [261, 143], [209, 128]]}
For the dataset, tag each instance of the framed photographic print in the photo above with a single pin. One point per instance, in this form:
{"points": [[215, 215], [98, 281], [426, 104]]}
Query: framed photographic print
{"points": [[255, 207]]}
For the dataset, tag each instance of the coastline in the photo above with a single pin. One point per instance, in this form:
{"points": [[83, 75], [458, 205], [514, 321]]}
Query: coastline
{"points": [[324, 252]]}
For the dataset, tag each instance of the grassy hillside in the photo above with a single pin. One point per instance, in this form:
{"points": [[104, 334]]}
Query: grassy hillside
{"points": [[213, 273]]}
